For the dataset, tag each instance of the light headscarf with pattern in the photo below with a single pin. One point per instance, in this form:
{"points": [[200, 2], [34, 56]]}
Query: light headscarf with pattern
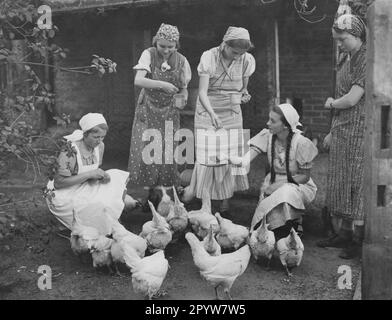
{"points": [[352, 24]]}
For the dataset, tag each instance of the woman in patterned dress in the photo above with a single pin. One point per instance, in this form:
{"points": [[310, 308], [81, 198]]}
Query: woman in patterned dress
{"points": [[346, 139], [224, 73], [161, 72]]}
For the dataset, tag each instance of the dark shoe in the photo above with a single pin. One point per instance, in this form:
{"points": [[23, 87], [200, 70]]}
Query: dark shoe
{"points": [[352, 251], [336, 241]]}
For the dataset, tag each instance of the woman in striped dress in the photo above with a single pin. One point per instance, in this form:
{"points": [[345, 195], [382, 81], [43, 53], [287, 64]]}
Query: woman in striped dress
{"points": [[224, 73], [346, 138]]}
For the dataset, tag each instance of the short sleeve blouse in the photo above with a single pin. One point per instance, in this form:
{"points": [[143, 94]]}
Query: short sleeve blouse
{"points": [[144, 63], [304, 151], [68, 166], [210, 58]]}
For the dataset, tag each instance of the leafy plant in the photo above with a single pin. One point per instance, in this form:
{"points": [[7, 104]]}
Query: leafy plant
{"points": [[28, 92]]}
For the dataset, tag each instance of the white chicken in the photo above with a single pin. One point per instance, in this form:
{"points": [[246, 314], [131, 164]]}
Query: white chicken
{"points": [[201, 220], [123, 240], [82, 236], [157, 231], [178, 216], [148, 273], [222, 270], [230, 235], [211, 245], [262, 242], [100, 252], [290, 251]]}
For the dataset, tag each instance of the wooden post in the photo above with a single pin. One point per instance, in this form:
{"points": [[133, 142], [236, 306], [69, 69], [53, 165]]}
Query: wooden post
{"points": [[377, 248]]}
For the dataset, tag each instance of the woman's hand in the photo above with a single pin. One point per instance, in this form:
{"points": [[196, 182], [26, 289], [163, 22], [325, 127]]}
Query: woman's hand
{"points": [[327, 104], [245, 98], [168, 87], [216, 122], [106, 178], [97, 174], [327, 141]]}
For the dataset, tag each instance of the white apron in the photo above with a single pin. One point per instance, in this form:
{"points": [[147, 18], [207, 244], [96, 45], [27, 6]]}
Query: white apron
{"points": [[91, 199]]}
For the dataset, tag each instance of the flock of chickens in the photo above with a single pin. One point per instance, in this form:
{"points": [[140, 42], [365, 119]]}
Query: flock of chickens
{"points": [[211, 235]]}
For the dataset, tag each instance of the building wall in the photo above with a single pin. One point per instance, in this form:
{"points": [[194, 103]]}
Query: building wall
{"points": [[306, 68], [122, 34]]}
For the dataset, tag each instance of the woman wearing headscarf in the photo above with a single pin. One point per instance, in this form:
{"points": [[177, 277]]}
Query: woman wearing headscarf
{"points": [[288, 188], [80, 186], [224, 73], [346, 138], [162, 72]]}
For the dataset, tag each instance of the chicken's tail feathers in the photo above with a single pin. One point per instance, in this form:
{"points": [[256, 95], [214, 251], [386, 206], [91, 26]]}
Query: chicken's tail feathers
{"points": [[131, 258]]}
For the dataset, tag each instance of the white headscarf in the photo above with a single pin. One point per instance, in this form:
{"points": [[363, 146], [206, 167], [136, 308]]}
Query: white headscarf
{"points": [[291, 116], [234, 33], [87, 122]]}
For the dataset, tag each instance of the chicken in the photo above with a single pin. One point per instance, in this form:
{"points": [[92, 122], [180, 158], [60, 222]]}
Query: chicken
{"points": [[82, 236], [230, 235], [100, 252], [219, 271], [157, 232], [178, 216], [201, 220], [120, 234], [211, 245], [262, 242], [123, 241], [290, 251], [148, 273]]}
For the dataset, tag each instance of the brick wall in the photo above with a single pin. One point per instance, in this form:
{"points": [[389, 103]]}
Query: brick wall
{"points": [[305, 65], [306, 68]]}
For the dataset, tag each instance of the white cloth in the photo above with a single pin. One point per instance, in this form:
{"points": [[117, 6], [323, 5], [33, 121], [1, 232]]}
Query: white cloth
{"points": [[234, 33], [291, 116], [87, 122], [90, 200]]}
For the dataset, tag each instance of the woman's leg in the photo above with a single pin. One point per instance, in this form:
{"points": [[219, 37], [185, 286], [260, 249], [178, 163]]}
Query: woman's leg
{"points": [[353, 248], [341, 236], [225, 206]]}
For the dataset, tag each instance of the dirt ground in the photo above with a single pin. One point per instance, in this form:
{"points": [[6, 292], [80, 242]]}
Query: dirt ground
{"points": [[28, 240]]}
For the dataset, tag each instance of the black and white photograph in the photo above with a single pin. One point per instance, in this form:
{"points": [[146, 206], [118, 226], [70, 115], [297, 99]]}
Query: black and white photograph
{"points": [[210, 151]]}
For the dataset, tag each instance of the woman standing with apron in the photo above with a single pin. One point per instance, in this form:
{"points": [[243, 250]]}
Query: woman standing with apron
{"points": [[224, 73], [162, 72]]}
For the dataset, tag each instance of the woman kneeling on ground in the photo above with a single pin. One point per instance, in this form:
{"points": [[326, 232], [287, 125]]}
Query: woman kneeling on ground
{"points": [[288, 187], [81, 185]]}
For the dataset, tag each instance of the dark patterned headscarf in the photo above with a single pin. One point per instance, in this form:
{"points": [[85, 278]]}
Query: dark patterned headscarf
{"points": [[351, 24]]}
